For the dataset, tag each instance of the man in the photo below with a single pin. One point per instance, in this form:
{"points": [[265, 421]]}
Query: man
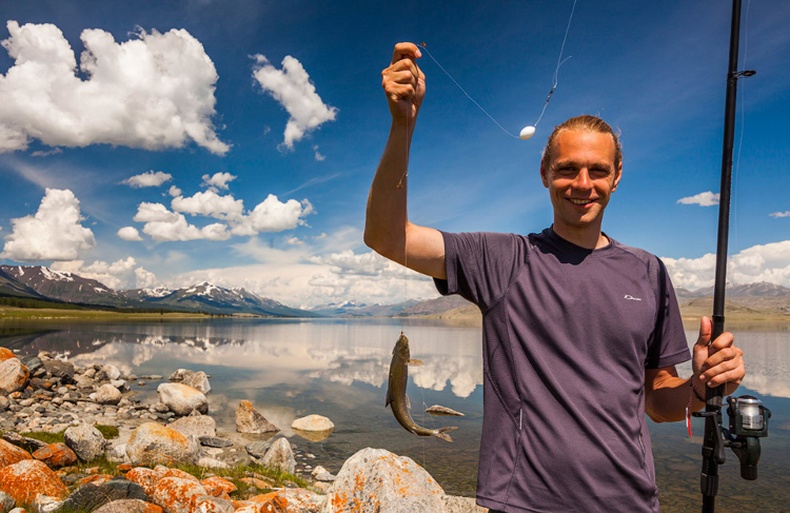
{"points": [[581, 334]]}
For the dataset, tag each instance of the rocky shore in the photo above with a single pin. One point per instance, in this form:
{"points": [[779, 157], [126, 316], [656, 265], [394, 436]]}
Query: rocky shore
{"points": [[137, 467]]}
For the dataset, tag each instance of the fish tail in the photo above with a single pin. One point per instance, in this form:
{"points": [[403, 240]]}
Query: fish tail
{"points": [[442, 433]]}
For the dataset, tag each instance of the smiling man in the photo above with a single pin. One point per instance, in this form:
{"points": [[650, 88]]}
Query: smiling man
{"points": [[581, 334]]}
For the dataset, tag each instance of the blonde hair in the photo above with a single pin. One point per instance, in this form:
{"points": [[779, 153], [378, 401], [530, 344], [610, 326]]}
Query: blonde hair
{"points": [[590, 124]]}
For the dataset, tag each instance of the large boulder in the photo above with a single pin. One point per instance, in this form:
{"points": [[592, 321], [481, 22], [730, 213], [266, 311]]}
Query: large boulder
{"points": [[28, 478], [250, 420], [13, 375], [377, 480], [182, 399], [152, 443], [86, 441]]}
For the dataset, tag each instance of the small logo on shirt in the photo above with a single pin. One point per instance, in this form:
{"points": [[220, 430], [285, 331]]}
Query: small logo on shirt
{"points": [[629, 297]]}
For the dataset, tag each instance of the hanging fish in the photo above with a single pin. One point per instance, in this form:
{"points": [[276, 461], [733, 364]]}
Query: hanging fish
{"points": [[396, 392]]}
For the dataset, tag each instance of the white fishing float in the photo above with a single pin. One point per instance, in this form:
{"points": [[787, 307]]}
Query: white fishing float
{"points": [[528, 131]]}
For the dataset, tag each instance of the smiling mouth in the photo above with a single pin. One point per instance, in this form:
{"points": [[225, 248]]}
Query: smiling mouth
{"points": [[580, 201]]}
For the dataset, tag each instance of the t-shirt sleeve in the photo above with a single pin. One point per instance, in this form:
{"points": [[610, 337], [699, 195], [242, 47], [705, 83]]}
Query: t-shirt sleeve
{"points": [[668, 344], [480, 266]]}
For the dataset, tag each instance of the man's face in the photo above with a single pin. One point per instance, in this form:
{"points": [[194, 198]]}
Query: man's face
{"points": [[581, 177]]}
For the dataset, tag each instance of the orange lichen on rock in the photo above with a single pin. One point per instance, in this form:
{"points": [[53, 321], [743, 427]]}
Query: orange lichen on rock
{"points": [[217, 486], [24, 480], [6, 354], [56, 455], [10, 454], [177, 495]]}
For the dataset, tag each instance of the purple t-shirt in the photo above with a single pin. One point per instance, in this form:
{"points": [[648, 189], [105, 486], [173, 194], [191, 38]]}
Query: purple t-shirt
{"points": [[567, 335]]}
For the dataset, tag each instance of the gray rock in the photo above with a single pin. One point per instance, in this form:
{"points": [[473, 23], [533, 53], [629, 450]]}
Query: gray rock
{"points": [[197, 380], [213, 504], [108, 372], [249, 420], [182, 399], [125, 506], [89, 497], [213, 441], [280, 456], [108, 394], [6, 502], [195, 425], [258, 449], [60, 369], [86, 441]]}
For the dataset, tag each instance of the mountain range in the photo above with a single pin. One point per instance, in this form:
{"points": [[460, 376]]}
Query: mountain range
{"points": [[44, 285]]}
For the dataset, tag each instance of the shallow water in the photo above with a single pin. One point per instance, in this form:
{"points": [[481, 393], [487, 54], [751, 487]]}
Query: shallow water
{"points": [[338, 368]]}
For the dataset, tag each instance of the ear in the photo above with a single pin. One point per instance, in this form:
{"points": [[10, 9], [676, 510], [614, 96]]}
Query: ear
{"points": [[544, 174], [618, 175]]}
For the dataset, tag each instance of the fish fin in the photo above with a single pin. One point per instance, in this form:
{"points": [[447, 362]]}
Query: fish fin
{"points": [[442, 433], [416, 363]]}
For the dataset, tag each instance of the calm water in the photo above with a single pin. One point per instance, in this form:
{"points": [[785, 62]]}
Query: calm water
{"points": [[338, 368]]}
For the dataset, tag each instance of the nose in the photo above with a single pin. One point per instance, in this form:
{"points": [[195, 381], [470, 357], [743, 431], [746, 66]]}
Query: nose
{"points": [[582, 179]]}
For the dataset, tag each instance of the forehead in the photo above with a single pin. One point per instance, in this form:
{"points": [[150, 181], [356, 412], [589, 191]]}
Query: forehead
{"points": [[583, 146]]}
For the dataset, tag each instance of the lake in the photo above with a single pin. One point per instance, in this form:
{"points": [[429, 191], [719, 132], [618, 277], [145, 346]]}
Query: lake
{"points": [[338, 368]]}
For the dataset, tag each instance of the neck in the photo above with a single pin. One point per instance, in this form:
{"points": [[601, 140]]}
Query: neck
{"points": [[587, 237]]}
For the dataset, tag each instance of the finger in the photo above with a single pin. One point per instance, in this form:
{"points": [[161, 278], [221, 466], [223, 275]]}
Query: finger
{"points": [[405, 50], [725, 365], [724, 340]]}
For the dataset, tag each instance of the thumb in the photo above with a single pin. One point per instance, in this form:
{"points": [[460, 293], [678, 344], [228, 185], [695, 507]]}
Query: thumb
{"points": [[705, 332], [700, 349]]}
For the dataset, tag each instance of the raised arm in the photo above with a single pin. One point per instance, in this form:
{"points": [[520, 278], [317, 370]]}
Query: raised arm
{"points": [[387, 227]]}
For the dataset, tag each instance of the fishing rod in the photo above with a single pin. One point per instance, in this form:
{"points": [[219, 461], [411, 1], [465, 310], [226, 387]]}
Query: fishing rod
{"points": [[748, 417]]}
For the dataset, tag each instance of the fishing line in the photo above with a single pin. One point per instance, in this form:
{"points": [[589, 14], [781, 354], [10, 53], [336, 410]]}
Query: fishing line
{"points": [[560, 62], [529, 130], [742, 93]]}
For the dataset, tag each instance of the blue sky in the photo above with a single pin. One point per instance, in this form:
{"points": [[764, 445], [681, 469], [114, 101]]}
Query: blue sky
{"points": [[164, 143]]}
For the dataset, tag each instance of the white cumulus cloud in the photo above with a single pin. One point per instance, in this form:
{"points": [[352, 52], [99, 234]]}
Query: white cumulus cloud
{"points": [[273, 215], [154, 91], [218, 180], [209, 203], [781, 214], [129, 233], [52, 233], [150, 179], [119, 275], [761, 263], [703, 199], [292, 88], [163, 225]]}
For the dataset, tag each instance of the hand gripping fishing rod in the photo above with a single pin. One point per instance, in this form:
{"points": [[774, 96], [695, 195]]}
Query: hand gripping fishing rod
{"points": [[748, 417]]}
